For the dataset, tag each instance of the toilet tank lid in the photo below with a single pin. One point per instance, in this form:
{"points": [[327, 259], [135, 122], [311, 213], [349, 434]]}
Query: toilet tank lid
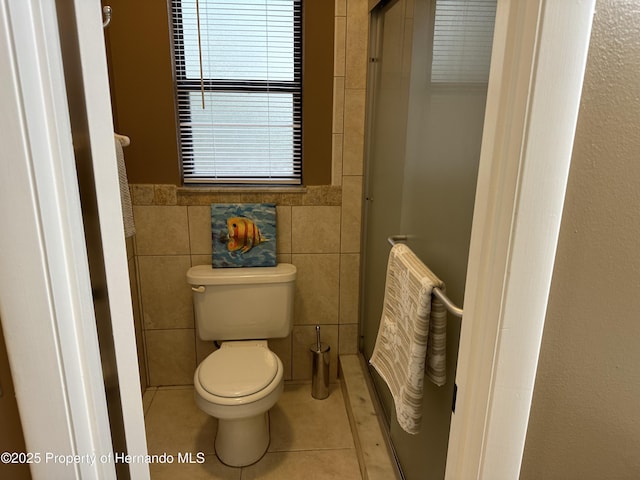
{"points": [[207, 275]]}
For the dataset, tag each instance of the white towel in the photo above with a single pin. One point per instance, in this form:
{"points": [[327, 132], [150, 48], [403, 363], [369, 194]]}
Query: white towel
{"points": [[125, 195], [412, 333]]}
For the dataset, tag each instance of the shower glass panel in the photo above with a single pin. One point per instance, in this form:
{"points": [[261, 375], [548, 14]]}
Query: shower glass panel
{"points": [[428, 74]]}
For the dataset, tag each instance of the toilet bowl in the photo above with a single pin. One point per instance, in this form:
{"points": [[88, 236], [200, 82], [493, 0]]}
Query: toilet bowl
{"points": [[238, 384]]}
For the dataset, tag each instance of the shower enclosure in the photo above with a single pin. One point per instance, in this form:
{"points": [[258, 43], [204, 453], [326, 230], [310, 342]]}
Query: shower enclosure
{"points": [[428, 74]]}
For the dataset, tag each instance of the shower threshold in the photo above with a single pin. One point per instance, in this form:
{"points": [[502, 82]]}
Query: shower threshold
{"points": [[373, 448]]}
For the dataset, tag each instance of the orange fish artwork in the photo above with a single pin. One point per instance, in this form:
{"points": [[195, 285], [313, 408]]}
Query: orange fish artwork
{"points": [[243, 234]]}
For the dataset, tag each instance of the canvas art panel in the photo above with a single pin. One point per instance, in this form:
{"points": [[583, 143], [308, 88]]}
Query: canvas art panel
{"points": [[243, 235]]}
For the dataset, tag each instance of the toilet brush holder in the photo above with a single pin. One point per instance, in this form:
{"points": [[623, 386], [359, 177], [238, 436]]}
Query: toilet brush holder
{"points": [[320, 368]]}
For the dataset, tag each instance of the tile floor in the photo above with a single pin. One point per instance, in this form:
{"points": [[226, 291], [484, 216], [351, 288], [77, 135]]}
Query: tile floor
{"points": [[310, 439]]}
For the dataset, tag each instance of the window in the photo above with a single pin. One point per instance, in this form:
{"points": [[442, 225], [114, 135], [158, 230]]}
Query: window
{"points": [[238, 73]]}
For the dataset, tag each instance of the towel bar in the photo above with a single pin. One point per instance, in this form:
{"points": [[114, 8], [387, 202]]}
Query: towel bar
{"points": [[449, 305]]}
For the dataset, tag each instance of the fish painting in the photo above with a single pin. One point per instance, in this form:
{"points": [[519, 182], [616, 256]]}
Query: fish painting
{"points": [[243, 234]]}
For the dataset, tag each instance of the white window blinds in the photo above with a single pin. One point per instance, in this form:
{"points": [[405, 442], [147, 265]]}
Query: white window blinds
{"points": [[239, 90], [462, 41]]}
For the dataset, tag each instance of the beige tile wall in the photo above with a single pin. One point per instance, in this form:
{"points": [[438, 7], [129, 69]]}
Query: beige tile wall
{"points": [[318, 228], [137, 315]]}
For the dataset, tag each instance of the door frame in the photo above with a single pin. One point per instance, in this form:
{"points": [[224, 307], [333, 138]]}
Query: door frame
{"points": [[533, 99], [45, 290]]}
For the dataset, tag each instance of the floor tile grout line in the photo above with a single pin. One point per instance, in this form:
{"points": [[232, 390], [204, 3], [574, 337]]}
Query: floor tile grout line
{"points": [[328, 449]]}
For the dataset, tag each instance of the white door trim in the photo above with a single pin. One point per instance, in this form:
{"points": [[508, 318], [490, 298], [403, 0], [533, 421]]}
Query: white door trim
{"points": [[539, 57], [45, 293]]}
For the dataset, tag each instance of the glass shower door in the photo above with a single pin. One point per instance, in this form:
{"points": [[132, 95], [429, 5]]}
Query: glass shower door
{"points": [[428, 77]]}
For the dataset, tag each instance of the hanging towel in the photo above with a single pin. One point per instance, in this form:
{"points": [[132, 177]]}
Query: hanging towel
{"points": [[125, 195], [412, 335]]}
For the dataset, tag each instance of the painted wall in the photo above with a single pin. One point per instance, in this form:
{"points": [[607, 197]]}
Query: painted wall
{"points": [[585, 421], [141, 77]]}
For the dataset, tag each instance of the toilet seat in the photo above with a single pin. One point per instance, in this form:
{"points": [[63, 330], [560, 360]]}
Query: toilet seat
{"points": [[238, 369]]}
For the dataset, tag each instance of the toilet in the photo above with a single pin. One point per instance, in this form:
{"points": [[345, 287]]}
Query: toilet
{"points": [[239, 383]]}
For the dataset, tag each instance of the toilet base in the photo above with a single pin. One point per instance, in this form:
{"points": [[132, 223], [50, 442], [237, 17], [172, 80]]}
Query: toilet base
{"points": [[242, 441]]}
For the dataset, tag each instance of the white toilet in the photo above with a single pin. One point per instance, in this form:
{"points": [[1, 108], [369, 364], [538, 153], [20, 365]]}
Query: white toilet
{"points": [[243, 379]]}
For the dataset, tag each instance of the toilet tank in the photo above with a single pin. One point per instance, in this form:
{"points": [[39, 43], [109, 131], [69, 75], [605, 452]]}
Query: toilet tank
{"points": [[243, 303]]}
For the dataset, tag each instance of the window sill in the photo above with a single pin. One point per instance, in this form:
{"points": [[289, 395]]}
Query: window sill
{"points": [[294, 195]]}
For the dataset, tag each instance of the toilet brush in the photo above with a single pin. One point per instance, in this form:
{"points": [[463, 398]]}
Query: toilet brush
{"points": [[320, 368]]}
